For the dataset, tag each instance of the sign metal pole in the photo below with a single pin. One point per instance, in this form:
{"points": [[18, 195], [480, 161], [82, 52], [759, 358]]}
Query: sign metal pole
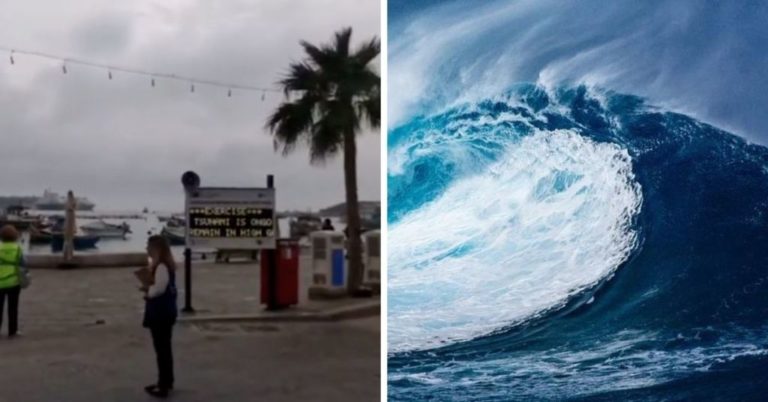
{"points": [[191, 182], [271, 255], [188, 281]]}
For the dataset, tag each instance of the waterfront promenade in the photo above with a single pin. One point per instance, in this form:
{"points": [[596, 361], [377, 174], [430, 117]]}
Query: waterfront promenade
{"points": [[83, 341]]}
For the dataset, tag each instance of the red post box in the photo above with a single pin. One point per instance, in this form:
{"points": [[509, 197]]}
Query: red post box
{"points": [[285, 284]]}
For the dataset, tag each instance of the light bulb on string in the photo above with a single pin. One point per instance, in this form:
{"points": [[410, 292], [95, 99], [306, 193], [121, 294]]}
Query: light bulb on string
{"points": [[192, 81]]}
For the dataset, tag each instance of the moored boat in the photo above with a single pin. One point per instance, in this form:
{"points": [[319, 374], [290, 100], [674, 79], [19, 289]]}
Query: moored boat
{"points": [[175, 235], [39, 236], [106, 230], [81, 242], [18, 218], [176, 221]]}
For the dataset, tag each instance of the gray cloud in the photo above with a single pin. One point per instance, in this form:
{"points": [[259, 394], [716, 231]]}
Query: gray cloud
{"points": [[109, 34], [124, 143]]}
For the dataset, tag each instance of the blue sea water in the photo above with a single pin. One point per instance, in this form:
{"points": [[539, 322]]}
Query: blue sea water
{"points": [[553, 243]]}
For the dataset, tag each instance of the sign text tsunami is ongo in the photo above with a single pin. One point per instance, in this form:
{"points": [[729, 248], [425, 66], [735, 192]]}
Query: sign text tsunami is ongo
{"points": [[231, 222], [231, 218]]}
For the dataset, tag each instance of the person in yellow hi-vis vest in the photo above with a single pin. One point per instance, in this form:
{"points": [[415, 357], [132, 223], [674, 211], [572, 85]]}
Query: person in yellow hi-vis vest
{"points": [[12, 276]]}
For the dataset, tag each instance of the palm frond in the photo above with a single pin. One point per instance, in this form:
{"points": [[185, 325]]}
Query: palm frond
{"points": [[316, 55], [366, 81], [370, 108], [324, 58], [337, 91], [342, 41], [302, 77], [326, 139], [290, 121], [368, 51]]}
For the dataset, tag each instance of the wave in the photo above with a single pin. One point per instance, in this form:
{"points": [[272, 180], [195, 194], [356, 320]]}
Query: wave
{"points": [[547, 219], [704, 59], [568, 242]]}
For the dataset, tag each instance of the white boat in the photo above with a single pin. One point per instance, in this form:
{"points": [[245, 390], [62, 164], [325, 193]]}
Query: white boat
{"points": [[104, 229]]}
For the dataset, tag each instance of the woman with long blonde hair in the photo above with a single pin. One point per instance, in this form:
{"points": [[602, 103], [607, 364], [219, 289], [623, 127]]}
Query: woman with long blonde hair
{"points": [[160, 311]]}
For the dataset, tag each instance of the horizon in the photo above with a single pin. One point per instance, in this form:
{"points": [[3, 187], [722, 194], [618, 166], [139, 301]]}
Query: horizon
{"points": [[164, 210]]}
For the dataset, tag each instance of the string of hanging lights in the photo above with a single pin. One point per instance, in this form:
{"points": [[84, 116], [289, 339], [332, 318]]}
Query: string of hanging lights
{"points": [[152, 75]]}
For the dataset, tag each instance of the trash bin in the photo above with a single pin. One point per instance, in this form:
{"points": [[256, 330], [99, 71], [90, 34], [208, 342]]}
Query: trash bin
{"points": [[329, 265], [372, 258], [286, 282]]}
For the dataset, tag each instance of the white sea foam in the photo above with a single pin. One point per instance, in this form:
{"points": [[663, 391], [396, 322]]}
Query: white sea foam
{"points": [[552, 217]]}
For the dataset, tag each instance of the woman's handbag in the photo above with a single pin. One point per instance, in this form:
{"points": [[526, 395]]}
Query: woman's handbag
{"points": [[25, 279]]}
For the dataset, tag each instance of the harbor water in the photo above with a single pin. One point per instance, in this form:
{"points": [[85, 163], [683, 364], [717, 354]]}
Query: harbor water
{"points": [[142, 226]]}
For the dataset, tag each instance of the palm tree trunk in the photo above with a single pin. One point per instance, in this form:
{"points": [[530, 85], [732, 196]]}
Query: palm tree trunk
{"points": [[354, 252]]}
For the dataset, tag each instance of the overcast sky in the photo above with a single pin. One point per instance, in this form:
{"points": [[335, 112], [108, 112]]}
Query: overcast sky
{"points": [[125, 144]]}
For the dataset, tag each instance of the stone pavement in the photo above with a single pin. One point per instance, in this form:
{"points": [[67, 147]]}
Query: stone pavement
{"points": [[83, 341]]}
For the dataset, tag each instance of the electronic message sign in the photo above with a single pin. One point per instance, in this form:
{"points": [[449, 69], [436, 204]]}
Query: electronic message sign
{"points": [[231, 218]]}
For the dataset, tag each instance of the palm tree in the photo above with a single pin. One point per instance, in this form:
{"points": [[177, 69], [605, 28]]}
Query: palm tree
{"points": [[329, 96]]}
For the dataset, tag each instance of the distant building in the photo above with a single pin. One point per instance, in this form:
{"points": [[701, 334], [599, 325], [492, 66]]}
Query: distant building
{"points": [[367, 209], [27, 202], [49, 201]]}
